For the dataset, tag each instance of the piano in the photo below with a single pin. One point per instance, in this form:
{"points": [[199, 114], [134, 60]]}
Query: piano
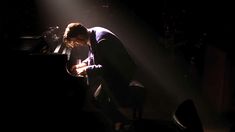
{"points": [[37, 86]]}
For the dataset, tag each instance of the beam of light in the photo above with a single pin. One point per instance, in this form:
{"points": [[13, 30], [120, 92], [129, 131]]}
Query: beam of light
{"points": [[139, 38]]}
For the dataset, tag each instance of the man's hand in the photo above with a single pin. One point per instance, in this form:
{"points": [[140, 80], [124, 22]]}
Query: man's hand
{"points": [[79, 69]]}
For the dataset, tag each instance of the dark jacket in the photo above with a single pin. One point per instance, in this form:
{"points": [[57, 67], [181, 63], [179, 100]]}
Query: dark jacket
{"points": [[111, 62]]}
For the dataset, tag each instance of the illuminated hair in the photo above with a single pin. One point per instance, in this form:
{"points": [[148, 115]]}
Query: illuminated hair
{"points": [[74, 30]]}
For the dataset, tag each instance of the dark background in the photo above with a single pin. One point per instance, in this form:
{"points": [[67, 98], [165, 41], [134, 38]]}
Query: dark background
{"points": [[202, 33], [188, 19]]}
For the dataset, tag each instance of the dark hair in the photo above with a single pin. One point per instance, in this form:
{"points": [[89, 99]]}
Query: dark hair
{"points": [[75, 29]]}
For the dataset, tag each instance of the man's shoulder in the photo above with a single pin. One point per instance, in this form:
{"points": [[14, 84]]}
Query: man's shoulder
{"points": [[102, 34], [97, 28], [100, 30]]}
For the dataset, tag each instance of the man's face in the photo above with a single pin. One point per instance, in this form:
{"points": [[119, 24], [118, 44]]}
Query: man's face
{"points": [[74, 42]]}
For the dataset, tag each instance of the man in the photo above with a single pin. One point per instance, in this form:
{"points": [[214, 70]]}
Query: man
{"points": [[108, 67]]}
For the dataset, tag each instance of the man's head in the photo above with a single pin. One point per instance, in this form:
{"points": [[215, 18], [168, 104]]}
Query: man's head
{"points": [[75, 35]]}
